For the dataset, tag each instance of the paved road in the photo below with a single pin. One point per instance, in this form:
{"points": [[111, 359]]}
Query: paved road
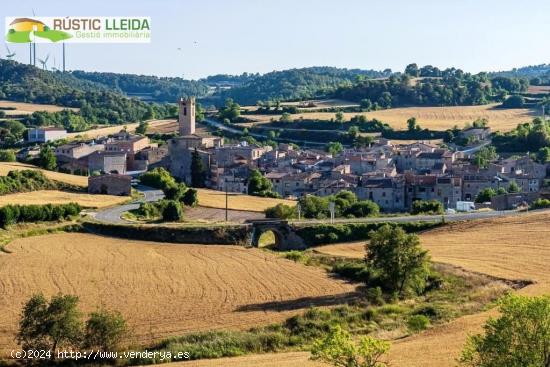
{"points": [[113, 215]]}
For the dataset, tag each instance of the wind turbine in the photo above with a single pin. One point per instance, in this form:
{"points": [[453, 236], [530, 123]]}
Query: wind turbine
{"points": [[10, 55], [43, 62], [33, 45]]}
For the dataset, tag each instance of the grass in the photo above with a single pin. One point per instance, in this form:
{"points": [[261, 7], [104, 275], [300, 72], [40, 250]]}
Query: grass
{"points": [[216, 199], [22, 108]]}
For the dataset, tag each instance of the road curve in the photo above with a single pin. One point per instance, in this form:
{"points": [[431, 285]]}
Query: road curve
{"points": [[113, 214]]}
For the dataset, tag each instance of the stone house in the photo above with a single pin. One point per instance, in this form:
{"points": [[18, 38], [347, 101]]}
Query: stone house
{"points": [[112, 184], [107, 162]]}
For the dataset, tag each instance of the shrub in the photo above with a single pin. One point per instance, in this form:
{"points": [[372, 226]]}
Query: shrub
{"points": [[540, 204], [427, 207], [25, 180], [365, 208], [174, 192], [296, 256], [356, 271], [172, 212], [158, 178], [281, 211], [105, 331], [374, 296], [11, 214], [190, 198], [7, 155], [417, 323]]}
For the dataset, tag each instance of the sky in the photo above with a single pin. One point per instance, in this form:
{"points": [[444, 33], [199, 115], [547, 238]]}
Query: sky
{"points": [[234, 36]]}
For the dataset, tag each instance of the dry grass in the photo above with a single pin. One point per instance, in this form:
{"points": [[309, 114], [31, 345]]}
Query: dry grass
{"points": [[433, 118], [28, 108], [538, 89], [216, 199], [82, 181], [61, 197], [110, 130], [290, 359], [162, 289]]}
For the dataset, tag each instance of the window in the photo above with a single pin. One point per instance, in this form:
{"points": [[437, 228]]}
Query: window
{"points": [[184, 111]]}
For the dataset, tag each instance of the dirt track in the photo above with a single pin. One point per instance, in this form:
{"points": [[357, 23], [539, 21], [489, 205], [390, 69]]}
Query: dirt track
{"points": [[162, 289]]}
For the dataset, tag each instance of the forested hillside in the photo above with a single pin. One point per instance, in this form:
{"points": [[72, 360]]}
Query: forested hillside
{"points": [[97, 104], [429, 86], [160, 89], [297, 84], [537, 74]]}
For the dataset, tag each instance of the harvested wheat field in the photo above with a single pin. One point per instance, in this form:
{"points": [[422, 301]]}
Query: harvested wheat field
{"points": [[62, 197], [433, 118], [82, 181], [162, 289], [216, 199], [110, 130], [22, 108]]}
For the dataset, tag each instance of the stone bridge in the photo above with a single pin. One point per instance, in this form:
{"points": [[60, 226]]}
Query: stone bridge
{"points": [[285, 237]]}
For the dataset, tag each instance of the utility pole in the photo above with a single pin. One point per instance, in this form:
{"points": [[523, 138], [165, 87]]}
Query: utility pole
{"points": [[226, 202]]}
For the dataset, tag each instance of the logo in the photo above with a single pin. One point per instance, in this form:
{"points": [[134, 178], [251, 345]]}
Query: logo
{"points": [[78, 29]]}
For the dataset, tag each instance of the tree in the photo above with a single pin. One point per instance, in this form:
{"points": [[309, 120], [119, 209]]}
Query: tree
{"points": [[398, 258], [198, 173], [485, 195], [519, 337], [334, 147], [412, 126], [105, 331], [46, 158], [514, 187], [175, 192], [142, 128], [339, 349], [285, 117], [543, 155], [258, 185], [484, 156], [230, 111], [515, 101], [158, 178], [50, 325], [412, 70], [339, 117], [353, 132]]}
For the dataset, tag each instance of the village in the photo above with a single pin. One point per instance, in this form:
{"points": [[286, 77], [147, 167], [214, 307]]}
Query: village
{"points": [[390, 174]]}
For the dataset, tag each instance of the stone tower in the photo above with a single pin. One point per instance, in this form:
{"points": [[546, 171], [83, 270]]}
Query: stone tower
{"points": [[186, 118]]}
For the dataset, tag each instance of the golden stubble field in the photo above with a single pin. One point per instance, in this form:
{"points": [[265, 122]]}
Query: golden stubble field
{"points": [[433, 118], [82, 181], [22, 108], [162, 289], [216, 199], [41, 197], [516, 248], [161, 126]]}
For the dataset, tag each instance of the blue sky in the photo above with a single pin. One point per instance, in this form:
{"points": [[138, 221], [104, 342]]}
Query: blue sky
{"points": [[234, 36]]}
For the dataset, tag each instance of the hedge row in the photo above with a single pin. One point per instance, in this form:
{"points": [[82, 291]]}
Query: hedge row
{"points": [[222, 235], [12, 214], [332, 233]]}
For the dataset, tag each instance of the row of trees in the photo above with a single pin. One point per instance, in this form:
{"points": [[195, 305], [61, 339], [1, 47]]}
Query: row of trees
{"points": [[25, 180]]}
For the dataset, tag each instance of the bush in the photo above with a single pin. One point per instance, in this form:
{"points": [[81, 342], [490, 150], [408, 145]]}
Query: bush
{"points": [[540, 204], [190, 198], [427, 207], [374, 296], [25, 180], [365, 208], [158, 178], [7, 155], [12, 214], [281, 211], [172, 212], [356, 271], [417, 323], [174, 192]]}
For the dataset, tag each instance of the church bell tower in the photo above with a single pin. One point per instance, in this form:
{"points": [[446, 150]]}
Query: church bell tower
{"points": [[186, 118]]}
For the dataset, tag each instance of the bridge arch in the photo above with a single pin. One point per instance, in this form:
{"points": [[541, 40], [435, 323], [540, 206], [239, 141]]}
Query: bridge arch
{"points": [[285, 237]]}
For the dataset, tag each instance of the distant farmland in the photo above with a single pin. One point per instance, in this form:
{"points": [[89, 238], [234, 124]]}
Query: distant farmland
{"points": [[22, 108], [216, 199], [433, 118], [61, 197], [5, 167]]}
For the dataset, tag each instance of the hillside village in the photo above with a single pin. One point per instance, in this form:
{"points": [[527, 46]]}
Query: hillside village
{"points": [[390, 174]]}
